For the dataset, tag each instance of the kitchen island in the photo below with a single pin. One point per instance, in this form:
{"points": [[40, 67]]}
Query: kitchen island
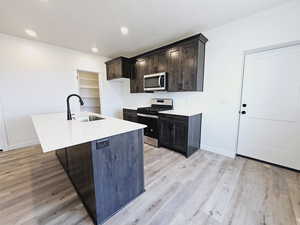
{"points": [[102, 156]]}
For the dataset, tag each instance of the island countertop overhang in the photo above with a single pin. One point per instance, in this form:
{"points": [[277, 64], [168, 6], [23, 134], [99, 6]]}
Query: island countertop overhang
{"points": [[56, 132]]}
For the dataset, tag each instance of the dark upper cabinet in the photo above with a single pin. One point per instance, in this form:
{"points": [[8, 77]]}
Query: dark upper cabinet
{"points": [[161, 62], [139, 69], [189, 65], [154, 63], [134, 84], [183, 61], [149, 64], [174, 58], [180, 133], [186, 67], [118, 68]]}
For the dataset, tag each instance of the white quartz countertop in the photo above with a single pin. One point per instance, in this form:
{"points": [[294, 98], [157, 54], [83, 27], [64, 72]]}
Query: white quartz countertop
{"points": [[134, 107], [180, 112], [131, 107], [56, 132]]}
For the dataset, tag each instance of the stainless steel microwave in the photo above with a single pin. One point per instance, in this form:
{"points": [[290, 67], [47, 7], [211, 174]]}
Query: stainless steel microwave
{"points": [[155, 82]]}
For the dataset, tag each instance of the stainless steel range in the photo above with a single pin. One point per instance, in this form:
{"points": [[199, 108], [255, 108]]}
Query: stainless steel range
{"points": [[149, 116]]}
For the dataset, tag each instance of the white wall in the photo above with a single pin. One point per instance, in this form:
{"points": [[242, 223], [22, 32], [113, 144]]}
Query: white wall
{"points": [[223, 73], [2, 130], [36, 78]]}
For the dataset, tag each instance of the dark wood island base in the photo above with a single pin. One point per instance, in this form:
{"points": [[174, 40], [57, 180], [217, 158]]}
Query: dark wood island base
{"points": [[107, 173]]}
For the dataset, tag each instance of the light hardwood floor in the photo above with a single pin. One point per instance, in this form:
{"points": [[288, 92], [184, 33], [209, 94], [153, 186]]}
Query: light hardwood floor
{"points": [[206, 189]]}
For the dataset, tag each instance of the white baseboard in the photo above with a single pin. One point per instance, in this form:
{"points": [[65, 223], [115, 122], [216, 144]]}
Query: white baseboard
{"points": [[22, 145], [217, 150]]}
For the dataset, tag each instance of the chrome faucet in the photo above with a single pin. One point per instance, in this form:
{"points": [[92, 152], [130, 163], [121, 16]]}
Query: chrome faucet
{"points": [[69, 115]]}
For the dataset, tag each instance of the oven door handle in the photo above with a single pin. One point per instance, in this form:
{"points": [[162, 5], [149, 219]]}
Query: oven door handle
{"points": [[148, 116]]}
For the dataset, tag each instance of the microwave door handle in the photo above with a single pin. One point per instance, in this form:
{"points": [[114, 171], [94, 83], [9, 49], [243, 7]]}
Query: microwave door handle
{"points": [[163, 81], [159, 83]]}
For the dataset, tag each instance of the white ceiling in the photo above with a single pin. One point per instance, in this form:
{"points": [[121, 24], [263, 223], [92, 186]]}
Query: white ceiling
{"points": [[82, 24]]}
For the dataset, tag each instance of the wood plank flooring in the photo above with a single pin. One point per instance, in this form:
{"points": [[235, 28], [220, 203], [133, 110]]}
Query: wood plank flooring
{"points": [[206, 189]]}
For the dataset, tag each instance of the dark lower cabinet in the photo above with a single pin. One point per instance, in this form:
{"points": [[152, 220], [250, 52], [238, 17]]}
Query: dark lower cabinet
{"points": [[130, 115], [80, 171], [62, 156], [120, 175], [165, 132], [180, 133], [107, 173]]}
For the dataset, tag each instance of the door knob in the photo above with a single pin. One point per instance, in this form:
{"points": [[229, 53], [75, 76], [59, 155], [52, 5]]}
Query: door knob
{"points": [[242, 112], [244, 105]]}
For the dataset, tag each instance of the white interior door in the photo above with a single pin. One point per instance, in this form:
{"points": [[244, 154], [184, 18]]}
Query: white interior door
{"points": [[270, 129]]}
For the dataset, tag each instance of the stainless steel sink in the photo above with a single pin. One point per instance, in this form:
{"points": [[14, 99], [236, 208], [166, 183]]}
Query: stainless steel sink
{"points": [[93, 118], [89, 118]]}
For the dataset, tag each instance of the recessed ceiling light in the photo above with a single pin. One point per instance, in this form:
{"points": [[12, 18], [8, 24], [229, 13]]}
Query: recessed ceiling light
{"points": [[95, 50], [124, 30], [31, 33]]}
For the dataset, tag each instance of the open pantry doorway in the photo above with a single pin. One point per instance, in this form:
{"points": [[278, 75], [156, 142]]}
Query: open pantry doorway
{"points": [[89, 90]]}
